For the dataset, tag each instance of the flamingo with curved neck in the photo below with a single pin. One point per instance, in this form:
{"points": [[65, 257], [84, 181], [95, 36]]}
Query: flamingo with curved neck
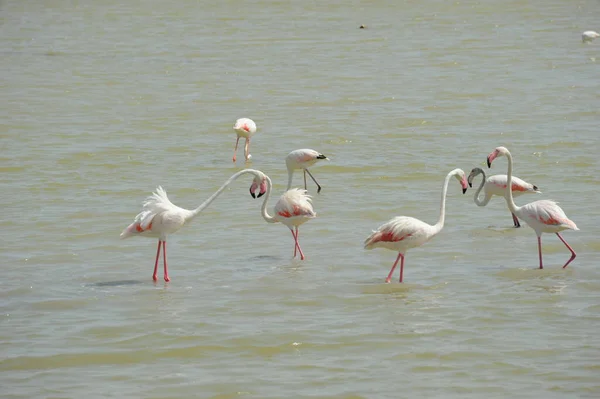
{"points": [[496, 185], [160, 217], [404, 232], [543, 216], [293, 208]]}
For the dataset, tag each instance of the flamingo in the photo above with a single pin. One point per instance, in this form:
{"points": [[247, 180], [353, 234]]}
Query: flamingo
{"points": [[496, 185], [543, 216], [244, 127], [404, 232], [302, 159], [293, 208], [589, 36], [160, 217]]}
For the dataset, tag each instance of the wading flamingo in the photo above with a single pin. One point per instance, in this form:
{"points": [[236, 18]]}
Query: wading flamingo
{"points": [[244, 127], [543, 216], [404, 232], [589, 35], [293, 208], [496, 185], [303, 159], [160, 217]]}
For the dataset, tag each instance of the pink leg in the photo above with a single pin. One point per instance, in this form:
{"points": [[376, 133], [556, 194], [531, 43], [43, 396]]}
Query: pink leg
{"points": [[516, 220], [154, 276], [247, 148], [298, 244], [401, 268], [573, 255], [166, 276], [540, 250], [295, 240], [389, 277], [235, 149]]}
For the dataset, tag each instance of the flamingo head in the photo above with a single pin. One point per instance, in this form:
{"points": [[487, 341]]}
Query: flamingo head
{"points": [[260, 183], [498, 152], [462, 178], [474, 173]]}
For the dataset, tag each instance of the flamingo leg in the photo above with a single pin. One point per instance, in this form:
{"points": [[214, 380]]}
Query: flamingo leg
{"points": [[235, 149], [305, 180], [166, 276], [154, 276], [573, 254], [247, 148], [540, 250], [516, 220], [401, 268], [315, 180], [389, 277], [297, 244]]}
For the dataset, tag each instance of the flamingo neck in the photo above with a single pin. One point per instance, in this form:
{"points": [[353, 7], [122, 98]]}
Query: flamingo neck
{"points": [[440, 223], [290, 176], [486, 199], [192, 214], [508, 193], [263, 209]]}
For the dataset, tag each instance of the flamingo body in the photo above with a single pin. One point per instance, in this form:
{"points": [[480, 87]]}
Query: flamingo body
{"points": [[303, 159], [543, 216], [496, 185], [404, 232], [293, 209], [244, 127], [589, 36], [160, 217]]}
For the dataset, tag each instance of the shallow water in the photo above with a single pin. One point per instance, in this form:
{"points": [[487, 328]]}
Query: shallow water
{"points": [[105, 101]]}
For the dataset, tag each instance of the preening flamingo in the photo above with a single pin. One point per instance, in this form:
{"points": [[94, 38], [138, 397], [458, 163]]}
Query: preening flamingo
{"points": [[160, 217], [589, 35], [496, 185], [543, 216], [303, 159], [293, 208], [404, 232], [244, 127]]}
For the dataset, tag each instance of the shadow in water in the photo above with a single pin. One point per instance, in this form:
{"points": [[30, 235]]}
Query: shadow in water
{"points": [[116, 283]]}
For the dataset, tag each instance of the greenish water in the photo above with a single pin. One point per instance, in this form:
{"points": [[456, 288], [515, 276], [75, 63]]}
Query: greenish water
{"points": [[103, 101]]}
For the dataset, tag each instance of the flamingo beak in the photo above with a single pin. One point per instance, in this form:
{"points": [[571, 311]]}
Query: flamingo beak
{"points": [[252, 193], [263, 188], [253, 189], [491, 158], [463, 183], [470, 179]]}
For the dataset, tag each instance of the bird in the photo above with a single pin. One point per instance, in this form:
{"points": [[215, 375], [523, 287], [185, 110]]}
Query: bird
{"points": [[589, 36], [303, 159], [543, 216], [404, 232], [293, 208], [244, 127], [160, 217], [496, 185]]}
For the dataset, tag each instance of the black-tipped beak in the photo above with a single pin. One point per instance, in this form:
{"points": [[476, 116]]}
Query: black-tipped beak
{"points": [[252, 194], [489, 163], [470, 185], [260, 195], [464, 190]]}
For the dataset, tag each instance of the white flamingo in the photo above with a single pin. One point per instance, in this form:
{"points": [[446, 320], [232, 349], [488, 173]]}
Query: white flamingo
{"points": [[589, 36], [404, 232], [543, 216], [244, 127], [303, 159], [160, 217], [293, 208], [496, 185]]}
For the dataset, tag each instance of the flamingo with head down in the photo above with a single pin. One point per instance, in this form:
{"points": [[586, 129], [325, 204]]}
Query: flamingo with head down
{"points": [[160, 217], [244, 127], [303, 159], [543, 216], [496, 185]]}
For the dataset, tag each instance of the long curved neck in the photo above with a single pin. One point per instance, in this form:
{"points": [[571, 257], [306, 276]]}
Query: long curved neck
{"points": [[508, 193], [263, 209], [290, 176], [486, 199], [213, 197], [440, 223]]}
